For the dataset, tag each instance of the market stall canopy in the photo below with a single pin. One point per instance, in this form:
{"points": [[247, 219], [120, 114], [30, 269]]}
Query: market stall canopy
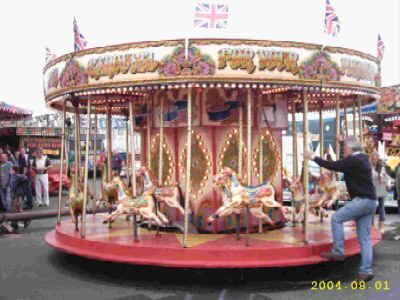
{"points": [[11, 112]]}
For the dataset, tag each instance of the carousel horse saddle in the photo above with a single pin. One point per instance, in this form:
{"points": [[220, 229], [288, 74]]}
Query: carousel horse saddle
{"points": [[166, 192], [262, 190]]}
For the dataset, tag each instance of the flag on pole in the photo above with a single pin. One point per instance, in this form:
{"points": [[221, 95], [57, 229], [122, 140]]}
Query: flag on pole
{"points": [[380, 47], [210, 14], [49, 55], [80, 42], [332, 23]]}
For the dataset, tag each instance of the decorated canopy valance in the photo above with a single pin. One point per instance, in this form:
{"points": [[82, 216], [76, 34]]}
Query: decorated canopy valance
{"points": [[11, 112]]}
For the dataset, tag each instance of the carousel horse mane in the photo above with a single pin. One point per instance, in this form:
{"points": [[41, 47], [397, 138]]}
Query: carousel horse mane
{"points": [[151, 176], [237, 180], [123, 185]]}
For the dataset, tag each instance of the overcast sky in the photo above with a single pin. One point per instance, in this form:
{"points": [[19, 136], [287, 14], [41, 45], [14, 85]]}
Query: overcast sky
{"points": [[28, 26]]}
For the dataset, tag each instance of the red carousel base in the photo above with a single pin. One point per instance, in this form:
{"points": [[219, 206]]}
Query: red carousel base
{"points": [[278, 248]]}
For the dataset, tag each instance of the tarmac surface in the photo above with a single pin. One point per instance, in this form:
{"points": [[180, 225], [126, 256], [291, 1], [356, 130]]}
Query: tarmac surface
{"points": [[29, 269]]}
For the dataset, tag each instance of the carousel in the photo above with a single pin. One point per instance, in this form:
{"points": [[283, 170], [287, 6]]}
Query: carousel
{"points": [[210, 115]]}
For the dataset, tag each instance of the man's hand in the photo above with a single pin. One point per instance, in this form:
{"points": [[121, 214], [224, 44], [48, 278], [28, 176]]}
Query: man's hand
{"points": [[308, 155]]}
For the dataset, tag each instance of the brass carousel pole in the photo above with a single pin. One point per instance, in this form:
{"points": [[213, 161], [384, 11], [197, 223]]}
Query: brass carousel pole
{"points": [[346, 124], [79, 147], [261, 168], [360, 121], [338, 131], [321, 143], [62, 163], [86, 171], [321, 132], [148, 148], [94, 164], [354, 119], [249, 148], [240, 162], [161, 154], [109, 143], [305, 166], [295, 158], [127, 150], [161, 148], [188, 166], [133, 178], [77, 141], [109, 150]]}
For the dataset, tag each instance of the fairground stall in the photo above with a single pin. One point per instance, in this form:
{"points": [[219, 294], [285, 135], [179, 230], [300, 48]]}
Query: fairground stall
{"points": [[210, 114], [389, 120], [9, 117]]}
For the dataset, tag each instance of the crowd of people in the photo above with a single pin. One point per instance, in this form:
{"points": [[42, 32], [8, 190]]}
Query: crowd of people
{"points": [[23, 177]]}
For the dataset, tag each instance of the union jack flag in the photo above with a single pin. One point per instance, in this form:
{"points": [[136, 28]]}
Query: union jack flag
{"points": [[332, 23], [80, 42], [381, 47], [49, 55], [211, 15]]}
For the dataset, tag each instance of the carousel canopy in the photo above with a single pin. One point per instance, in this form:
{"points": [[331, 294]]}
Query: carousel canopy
{"points": [[11, 112], [112, 76]]}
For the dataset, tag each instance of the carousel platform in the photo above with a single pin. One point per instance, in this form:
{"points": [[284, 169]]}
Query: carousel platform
{"points": [[276, 248]]}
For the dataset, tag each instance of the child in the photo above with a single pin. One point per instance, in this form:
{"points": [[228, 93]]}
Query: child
{"points": [[18, 186]]}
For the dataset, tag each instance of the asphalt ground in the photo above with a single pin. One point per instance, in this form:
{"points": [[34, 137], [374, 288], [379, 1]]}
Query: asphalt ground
{"points": [[30, 269]]}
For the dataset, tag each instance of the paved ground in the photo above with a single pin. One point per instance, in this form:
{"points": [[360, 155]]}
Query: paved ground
{"points": [[29, 269]]}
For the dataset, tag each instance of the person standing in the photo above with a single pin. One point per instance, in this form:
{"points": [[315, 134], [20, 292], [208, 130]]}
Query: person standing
{"points": [[358, 177], [381, 182], [116, 162], [5, 180], [24, 169], [41, 165]]}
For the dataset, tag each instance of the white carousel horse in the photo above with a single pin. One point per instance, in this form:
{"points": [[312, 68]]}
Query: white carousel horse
{"points": [[142, 205], [170, 195], [296, 187], [237, 196], [332, 191]]}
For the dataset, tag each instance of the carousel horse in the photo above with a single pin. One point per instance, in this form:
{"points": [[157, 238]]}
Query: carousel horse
{"points": [[109, 192], [75, 202], [237, 196], [297, 190], [170, 195], [332, 190], [76, 196], [127, 205]]}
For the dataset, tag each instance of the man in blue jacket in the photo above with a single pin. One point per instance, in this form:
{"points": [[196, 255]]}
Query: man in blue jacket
{"points": [[358, 177]]}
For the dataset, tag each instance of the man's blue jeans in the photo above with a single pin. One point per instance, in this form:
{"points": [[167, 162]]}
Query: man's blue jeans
{"points": [[5, 197], [361, 211]]}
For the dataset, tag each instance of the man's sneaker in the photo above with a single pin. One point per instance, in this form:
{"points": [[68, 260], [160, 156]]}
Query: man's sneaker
{"points": [[332, 256], [365, 276]]}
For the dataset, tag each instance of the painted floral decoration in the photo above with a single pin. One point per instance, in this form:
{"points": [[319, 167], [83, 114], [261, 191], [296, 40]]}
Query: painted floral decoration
{"points": [[320, 67], [53, 79], [73, 75], [196, 64]]}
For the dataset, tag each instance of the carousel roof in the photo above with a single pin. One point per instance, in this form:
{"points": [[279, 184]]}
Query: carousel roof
{"points": [[11, 112], [112, 76]]}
